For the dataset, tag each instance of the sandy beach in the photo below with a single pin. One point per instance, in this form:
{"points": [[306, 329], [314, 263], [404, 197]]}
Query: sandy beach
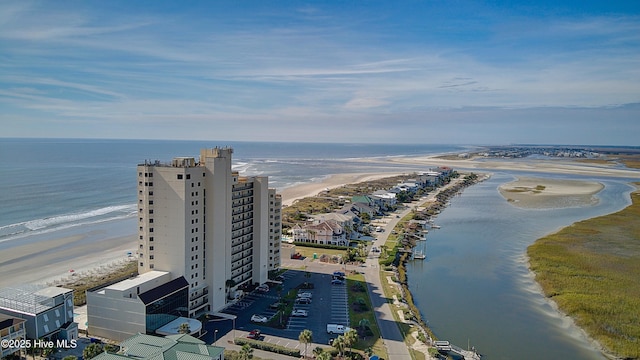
{"points": [[45, 261], [545, 193]]}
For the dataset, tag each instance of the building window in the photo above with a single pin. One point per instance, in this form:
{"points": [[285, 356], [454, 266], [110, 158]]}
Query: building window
{"points": [[179, 176], [150, 257], [151, 266], [150, 247], [150, 229], [151, 238], [141, 263], [150, 202], [189, 177]]}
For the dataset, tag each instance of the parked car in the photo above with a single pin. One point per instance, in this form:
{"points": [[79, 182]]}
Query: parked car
{"points": [[305, 295], [276, 305], [337, 282], [337, 329], [255, 334], [338, 273], [259, 318], [280, 278], [263, 288], [303, 300], [299, 312]]}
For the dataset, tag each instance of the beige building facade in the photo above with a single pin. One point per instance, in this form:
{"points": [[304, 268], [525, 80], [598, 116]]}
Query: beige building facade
{"points": [[201, 220]]}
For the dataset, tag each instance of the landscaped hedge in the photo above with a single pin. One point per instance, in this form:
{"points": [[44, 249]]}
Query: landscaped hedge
{"points": [[320, 246], [278, 349]]}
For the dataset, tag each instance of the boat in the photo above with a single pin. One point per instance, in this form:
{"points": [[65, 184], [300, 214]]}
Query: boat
{"points": [[418, 255], [435, 226]]}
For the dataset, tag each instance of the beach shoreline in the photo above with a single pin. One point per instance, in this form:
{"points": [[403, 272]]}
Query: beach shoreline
{"points": [[100, 251]]}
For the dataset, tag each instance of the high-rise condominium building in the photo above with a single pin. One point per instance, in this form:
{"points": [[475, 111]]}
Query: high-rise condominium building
{"points": [[199, 219]]}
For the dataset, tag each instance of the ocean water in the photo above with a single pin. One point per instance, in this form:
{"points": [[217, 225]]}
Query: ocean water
{"points": [[474, 286], [51, 185]]}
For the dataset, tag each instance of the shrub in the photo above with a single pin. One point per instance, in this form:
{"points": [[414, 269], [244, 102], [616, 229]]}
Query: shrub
{"points": [[278, 349]]}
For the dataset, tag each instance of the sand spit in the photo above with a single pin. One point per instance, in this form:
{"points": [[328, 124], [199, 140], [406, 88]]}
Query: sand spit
{"points": [[545, 193]]}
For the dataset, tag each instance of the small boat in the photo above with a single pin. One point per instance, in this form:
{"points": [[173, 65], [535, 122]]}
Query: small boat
{"points": [[435, 226], [418, 255]]}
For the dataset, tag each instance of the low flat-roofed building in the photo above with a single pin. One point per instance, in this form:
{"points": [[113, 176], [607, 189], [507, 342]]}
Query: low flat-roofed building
{"points": [[142, 304], [47, 311], [11, 328], [173, 347]]}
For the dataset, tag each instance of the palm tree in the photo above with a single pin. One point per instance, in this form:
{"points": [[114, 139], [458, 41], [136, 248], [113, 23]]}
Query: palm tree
{"points": [[305, 337], [339, 344], [246, 353], [184, 328], [350, 338], [317, 351], [364, 323], [324, 355], [91, 351]]}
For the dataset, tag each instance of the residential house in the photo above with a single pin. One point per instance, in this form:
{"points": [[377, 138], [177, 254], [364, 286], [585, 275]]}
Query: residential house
{"points": [[172, 347], [11, 329], [47, 311], [327, 232]]}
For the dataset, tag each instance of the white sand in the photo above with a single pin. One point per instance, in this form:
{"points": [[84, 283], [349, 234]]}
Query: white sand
{"points": [[54, 258], [290, 194], [544, 193]]}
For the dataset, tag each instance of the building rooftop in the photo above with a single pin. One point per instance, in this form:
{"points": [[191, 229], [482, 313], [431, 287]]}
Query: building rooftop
{"points": [[175, 347], [136, 281], [29, 299]]}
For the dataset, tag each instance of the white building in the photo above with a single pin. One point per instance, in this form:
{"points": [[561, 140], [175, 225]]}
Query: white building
{"points": [[201, 220], [327, 232]]}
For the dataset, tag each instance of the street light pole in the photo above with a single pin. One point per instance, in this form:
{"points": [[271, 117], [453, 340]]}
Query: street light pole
{"points": [[215, 337]]}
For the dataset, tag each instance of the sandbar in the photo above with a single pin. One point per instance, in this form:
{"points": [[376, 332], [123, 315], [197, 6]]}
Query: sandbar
{"points": [[546, 193]]}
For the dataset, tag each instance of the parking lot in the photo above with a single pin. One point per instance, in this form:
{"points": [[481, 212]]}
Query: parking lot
{"points": [[328, 304]]}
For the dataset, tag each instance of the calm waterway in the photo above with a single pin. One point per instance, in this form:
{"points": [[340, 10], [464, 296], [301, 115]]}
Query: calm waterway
{"points": [[474, 287]]}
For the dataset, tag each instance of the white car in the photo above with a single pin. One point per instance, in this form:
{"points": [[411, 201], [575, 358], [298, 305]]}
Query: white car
{"points": [[259, 319], [307, 295], [263, 288], [299, 312]]}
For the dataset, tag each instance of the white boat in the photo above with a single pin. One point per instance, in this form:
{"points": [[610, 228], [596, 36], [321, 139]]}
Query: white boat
{"points": [[435, 226], [418, 255]]}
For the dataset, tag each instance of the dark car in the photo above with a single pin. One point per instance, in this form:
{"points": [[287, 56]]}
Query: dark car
{"points": [[255, 334]]}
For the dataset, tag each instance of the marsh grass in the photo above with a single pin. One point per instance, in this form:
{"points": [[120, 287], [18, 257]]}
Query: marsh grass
{"points": [[591, 269]]}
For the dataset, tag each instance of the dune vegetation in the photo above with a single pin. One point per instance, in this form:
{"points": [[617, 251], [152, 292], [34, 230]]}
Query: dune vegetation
{"points": [[591, 269]]}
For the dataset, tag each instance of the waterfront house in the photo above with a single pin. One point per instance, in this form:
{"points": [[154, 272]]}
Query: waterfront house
{"points": [[47, 311]]}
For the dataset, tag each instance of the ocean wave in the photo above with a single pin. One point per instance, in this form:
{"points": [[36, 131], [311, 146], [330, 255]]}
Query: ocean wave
{"points": [[60, 222]]}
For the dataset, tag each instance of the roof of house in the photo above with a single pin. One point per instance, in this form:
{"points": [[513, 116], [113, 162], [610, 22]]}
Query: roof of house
{"points": [[8, 321], [173, 347], [30, 299]]}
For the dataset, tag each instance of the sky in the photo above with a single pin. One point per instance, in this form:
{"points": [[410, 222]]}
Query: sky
{"points": [[443, 72]]}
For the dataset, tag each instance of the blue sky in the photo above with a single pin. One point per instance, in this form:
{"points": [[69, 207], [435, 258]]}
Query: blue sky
{"points": [[464, 72]]}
